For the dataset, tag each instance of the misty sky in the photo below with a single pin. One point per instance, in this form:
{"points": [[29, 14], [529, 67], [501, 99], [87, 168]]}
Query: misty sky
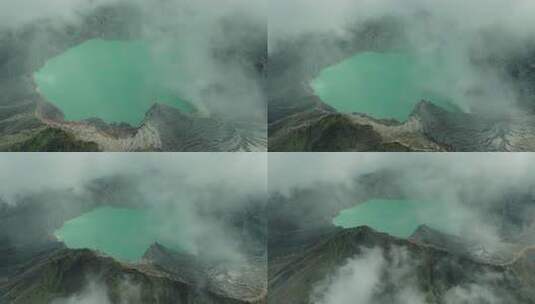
{"points": [[288, 170], [241, 172], [515, 15]]}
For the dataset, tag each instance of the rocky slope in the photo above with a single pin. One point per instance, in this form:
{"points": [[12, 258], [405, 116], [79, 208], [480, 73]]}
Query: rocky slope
{"points": [[36, 268], [60, 273], [244, 280], [432, 272], [307, 253], [429, 128]]}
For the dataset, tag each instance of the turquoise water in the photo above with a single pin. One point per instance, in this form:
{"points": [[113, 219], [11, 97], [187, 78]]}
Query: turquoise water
{"points": [[401, 217], [383, 85], [117, 81], [122, 233]]}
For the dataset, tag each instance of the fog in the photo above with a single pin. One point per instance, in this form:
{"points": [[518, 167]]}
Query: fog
{"points": [[470, 16], [216, 46], [489, 194], [200, 193], [291, 170], [96, 292], [472, 185], [15, 14], [92, 294], [223, 44], [375, 277], [476, 42], [24, 174]]}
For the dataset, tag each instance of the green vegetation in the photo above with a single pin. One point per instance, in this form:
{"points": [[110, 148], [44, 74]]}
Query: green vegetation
{"points": [[54, 140]]}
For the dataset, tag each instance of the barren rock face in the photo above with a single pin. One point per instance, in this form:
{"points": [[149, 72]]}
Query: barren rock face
{"points": [[429, 128], [313, 261], [36, 268], [431, 273], [67, 271]]}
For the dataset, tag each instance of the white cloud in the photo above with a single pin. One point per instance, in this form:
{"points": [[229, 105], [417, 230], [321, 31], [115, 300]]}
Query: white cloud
{"points": [[375, 276], [97, 293], [244, 173], [15, 13], [364, 279], [92, 294]]}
